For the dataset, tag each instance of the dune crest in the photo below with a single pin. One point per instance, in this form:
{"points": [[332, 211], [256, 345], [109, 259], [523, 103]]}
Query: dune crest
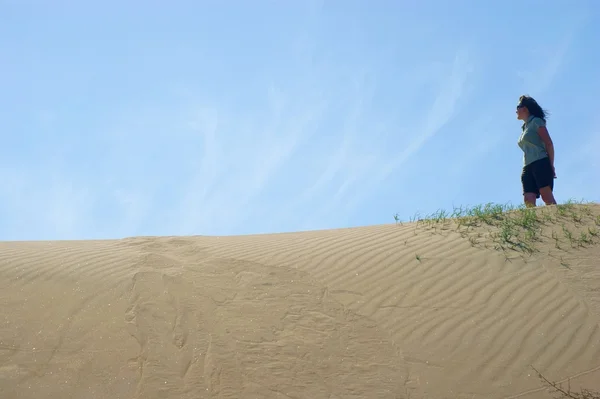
{"points": [[441, 307]]}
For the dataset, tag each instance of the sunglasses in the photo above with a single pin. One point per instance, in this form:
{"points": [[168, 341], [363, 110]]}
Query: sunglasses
{"points": [[520, 106]]}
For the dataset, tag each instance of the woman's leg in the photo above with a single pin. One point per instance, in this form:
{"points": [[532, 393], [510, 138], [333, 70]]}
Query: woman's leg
{"points": [[547, 195], [543, 173], [530, 191], [529, 199]]}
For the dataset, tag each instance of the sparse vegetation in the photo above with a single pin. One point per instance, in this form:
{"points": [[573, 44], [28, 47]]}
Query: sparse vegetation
{"points": [[510, 228], [566, 392]]}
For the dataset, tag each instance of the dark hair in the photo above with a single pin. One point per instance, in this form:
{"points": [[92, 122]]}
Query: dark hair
{"points": [[533, 107]]}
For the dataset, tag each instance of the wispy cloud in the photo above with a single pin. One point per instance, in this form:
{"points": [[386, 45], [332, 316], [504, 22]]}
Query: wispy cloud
{"points": [[48, 206], [441, 111], [334, 159], [541, 77], [544, 63], [368, 170], [67, 208], [190, 212], [240, 158]]}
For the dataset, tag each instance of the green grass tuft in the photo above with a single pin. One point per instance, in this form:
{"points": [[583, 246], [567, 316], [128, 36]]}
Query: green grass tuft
{"points": [[516, 228]]}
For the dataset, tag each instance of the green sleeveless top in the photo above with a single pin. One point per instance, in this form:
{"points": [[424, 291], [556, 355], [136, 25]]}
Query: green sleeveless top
{"points": [[530, 142]]}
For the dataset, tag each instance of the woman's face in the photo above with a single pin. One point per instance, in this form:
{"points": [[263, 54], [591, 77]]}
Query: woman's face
{"points": [[522, 112]]}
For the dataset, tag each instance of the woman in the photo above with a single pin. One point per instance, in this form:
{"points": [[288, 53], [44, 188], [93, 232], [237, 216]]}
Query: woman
{"points": [[538, 173]]}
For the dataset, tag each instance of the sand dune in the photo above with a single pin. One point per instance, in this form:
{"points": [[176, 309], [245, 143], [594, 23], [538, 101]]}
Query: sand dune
{"points": [[390, 311]]}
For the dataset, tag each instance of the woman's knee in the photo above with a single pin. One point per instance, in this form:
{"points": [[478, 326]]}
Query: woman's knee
{"points": [[529, 198], [547, 195]]}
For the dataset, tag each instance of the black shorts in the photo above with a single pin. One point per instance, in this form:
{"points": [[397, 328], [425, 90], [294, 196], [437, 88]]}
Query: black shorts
{"points": [[536, 175]]}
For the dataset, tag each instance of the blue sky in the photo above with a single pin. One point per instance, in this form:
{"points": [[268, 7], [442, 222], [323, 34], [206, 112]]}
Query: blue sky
{"points": [[238, 117]]}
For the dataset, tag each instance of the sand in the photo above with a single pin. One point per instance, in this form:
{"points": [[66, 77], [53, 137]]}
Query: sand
{"points": [[346, 313]]}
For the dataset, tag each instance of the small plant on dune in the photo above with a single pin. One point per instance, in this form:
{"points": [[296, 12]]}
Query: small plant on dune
{"points": [[507, 233], [473, 240], [563, 209], [532, 234], [566, 392], [587, 211], [585, 239], [547, 217], [416, 218], [568, 234], [556, 239], [527, 218]]}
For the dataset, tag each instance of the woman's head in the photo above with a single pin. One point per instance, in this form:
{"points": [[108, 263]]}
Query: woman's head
{"points": [[528, 106]]}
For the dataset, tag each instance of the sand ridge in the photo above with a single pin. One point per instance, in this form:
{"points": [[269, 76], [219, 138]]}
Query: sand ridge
{"points": [[391, 311]]}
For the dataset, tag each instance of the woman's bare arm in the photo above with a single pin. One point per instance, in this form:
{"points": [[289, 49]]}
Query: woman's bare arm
{"points": [[547, 140]]}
